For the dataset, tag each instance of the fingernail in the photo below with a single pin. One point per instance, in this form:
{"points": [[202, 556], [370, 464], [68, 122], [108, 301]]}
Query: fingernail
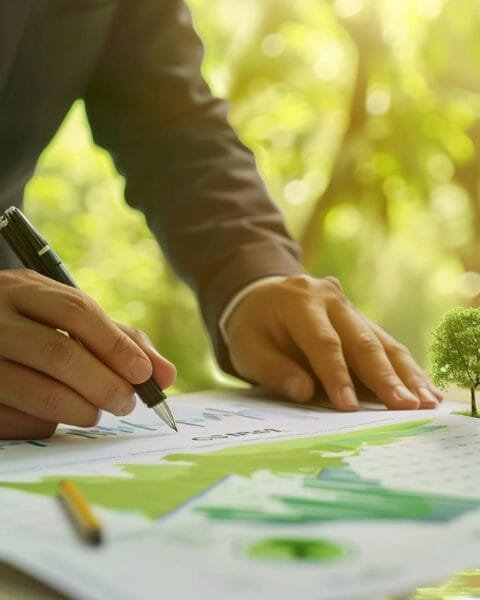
{"points": [[140, 369], [427, 397], [348, 398], [294, 388], [149, 343], [406, 396]]}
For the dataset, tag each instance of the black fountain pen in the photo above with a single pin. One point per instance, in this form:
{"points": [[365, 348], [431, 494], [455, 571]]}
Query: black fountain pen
{"points": [[35, 253]]}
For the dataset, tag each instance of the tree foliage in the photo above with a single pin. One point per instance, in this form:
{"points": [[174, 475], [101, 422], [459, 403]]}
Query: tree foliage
{"points": [[455, 350]]}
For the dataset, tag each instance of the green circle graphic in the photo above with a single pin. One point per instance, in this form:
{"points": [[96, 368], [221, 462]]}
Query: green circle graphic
{"points": [[299, 549]]}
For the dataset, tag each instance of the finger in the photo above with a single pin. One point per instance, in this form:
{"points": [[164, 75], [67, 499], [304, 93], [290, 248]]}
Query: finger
{"points": [[368, 360], [313, 333], [61, 358], [164, 372], [259, 361], [43, 398], [69, 309], [436, 392], [408, 370], [15, 425]]}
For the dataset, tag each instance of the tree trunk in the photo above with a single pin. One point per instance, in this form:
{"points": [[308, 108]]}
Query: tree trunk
{"points": [[474, 404]]}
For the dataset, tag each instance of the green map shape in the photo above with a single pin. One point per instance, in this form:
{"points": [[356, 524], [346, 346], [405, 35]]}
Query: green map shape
{"points": [[158, 489]]}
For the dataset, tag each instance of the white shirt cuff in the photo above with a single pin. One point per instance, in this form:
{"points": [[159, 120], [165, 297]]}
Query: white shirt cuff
{"points": [[239, 296]]}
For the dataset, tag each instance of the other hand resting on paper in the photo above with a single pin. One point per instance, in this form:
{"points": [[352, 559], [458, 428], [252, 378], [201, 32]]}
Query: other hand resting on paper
{"points": [[47, 377], [286, 335]]}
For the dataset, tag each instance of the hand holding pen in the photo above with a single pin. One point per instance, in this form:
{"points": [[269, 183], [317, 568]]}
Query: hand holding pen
{"points": [[47, 377]]}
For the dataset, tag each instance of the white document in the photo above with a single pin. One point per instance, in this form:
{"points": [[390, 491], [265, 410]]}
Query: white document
{"points": [[253, 498]]}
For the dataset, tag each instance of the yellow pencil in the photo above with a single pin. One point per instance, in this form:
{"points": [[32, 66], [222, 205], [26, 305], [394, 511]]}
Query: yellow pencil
{"points": [[79, 513]]}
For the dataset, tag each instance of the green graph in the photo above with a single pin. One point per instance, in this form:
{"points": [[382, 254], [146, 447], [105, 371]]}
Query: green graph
{"points": [[157, 489], [339, 494]]}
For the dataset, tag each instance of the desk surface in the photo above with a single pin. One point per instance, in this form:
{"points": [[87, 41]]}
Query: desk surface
{"points": [[15, 584]]}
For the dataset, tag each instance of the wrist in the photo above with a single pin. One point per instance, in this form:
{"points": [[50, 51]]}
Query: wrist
{"points": [[239, 297]]}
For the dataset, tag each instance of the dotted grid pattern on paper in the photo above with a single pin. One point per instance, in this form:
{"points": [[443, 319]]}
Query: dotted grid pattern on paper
{"points": [[445, 461]]}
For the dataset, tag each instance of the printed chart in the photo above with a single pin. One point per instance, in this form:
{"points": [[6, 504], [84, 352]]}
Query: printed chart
{"points": [[252, 498]]}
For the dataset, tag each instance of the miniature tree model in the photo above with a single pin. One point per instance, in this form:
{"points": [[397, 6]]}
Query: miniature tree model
{"points": [[455, 351]]}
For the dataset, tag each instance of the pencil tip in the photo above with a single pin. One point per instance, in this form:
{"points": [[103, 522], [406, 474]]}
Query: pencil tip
{"points": [[95, 538]]}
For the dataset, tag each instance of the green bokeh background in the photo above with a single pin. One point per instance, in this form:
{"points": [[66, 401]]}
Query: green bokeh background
{"points": [[364, 118]]}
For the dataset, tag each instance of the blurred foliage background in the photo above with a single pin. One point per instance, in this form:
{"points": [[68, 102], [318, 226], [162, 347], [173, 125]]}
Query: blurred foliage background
{"points": [[364, 116]]}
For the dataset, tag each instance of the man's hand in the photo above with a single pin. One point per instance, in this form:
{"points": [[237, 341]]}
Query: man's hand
{"points": [[48, 378], [286, 334]]}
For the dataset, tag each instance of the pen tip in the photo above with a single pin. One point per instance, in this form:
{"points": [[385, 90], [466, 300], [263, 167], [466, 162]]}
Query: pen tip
{"points": [[164, 412]]}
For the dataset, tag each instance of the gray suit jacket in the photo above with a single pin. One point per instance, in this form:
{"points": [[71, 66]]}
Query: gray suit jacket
{"points": [[136, 63]]}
